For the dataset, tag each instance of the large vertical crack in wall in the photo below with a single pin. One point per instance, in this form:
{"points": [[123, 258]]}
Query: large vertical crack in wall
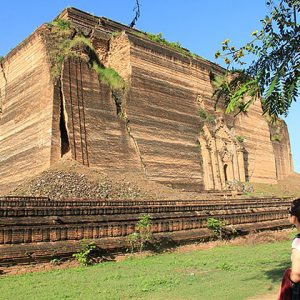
{"points": [[83, 117], [64, 135], [74, 97], [137, 149], [121, 112]]}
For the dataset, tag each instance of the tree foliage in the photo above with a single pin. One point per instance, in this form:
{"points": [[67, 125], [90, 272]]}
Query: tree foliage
{"points": [[274, 73]]}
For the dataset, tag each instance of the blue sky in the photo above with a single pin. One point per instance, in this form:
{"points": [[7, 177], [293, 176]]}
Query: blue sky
{"points": [[198, 25]]}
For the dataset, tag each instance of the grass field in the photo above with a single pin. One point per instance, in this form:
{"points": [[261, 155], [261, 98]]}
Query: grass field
{"points": [[224, 272]]}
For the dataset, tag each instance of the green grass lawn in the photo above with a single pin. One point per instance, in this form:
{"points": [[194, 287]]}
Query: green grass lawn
{"points": [[225, 272]]}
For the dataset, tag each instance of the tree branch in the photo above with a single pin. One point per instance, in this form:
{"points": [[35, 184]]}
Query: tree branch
{"points": [[137, 14]]}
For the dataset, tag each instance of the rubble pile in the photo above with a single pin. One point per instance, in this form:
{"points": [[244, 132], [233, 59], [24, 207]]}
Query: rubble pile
{"points": [[58, 184]]}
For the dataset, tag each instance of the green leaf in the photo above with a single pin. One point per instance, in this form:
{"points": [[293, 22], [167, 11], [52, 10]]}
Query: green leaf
{"points": [[272, 86], [225, 42], [227, 61], [217, 54]]}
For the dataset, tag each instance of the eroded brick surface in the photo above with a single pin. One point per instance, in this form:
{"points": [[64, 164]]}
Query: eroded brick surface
{"points": [[153, 126]]}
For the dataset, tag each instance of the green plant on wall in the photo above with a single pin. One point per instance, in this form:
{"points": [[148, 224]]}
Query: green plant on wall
{"points": [[62, 43], [66, 41], [59, 44], [205, 117], [109, 76], [240, 138], [61, 24], [80, 40], [158, 38], [275, 138]]}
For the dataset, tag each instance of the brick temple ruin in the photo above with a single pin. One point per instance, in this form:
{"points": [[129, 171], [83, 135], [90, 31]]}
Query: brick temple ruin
{"points": [[53, 103], [151, 126]]}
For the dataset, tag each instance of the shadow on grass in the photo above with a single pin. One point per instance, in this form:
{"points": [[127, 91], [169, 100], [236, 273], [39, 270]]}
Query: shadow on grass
{"points": [[276, 274]]}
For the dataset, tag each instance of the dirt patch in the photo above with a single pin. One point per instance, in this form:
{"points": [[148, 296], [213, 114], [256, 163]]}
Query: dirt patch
{"points": [[290, 186], [269, 296], [42, 267]]}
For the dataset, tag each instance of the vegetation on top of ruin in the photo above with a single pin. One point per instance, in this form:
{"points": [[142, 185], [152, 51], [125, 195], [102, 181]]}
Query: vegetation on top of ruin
{"points": [[158, 38], [109, 76], [61, 24], [80, 40], [69, 42], [58, 42], [1, 58]]}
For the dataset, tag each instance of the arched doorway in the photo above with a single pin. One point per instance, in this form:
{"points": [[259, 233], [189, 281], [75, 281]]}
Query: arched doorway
{"points": [[225, 172]]}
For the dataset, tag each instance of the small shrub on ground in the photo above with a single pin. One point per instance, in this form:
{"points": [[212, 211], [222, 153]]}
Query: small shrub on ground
{"points": [[83, 255], [133, 241], [216, 225], [143, 234]]}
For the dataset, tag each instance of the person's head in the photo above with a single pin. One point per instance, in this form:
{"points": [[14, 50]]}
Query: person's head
{"points": [[295, 212]]}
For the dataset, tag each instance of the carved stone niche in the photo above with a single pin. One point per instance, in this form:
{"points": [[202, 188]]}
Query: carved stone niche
{"points": [[223, 156]]}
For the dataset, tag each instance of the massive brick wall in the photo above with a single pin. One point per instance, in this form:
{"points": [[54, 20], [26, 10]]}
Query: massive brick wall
{"points": [[158, 125], [163, 113], [260, 160], [97, 135], [282, 149], [166, 90], [25, 120]]}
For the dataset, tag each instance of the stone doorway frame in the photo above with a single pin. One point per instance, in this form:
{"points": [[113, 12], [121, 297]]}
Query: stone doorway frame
{"points": [[219, 147]]}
